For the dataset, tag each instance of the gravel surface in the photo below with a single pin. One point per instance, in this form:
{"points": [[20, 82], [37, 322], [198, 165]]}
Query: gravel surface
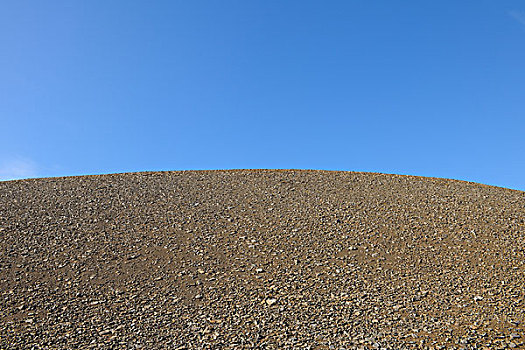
{"points": [[260, 259]]}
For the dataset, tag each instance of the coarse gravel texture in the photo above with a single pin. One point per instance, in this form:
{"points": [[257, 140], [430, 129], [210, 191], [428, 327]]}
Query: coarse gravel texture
{"points": [[270, 259]]}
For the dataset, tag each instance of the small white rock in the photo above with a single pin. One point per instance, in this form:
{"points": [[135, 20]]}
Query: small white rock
{"points": [[271, 301]]}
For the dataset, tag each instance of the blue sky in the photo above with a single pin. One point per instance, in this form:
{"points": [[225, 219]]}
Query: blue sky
{"points": [[420, 88]]}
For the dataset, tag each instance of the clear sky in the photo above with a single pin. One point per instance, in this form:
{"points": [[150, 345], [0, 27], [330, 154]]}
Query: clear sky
{"points": [[431, 88]]}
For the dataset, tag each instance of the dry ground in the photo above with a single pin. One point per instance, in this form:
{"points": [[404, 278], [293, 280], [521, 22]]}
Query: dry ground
{"points": [[260, 259]]}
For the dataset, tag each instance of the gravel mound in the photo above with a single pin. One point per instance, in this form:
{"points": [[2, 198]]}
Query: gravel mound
{"points": [[260, 259]]}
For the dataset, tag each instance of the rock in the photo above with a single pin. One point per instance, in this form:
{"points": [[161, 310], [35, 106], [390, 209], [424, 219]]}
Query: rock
{"points": [[271, 301]]}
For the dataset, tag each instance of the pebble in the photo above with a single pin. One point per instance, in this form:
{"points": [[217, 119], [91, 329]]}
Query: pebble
{"points": [[271, 301]]}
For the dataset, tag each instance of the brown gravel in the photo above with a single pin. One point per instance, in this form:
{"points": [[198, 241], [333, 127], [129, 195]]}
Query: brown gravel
{"points": [[260, 259]]}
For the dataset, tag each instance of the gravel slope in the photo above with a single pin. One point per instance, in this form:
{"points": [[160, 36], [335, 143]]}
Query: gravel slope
{"points": [[260, 259]]}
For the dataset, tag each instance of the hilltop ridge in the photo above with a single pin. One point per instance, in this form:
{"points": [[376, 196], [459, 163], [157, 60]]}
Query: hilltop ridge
{"points": [[260, 258]]}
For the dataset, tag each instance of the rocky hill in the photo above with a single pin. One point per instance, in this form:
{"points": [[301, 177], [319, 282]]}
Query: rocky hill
{"points": [[260, 259]]}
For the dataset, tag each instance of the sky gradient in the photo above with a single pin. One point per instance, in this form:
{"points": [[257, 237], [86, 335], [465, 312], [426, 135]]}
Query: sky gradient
{"points": [[417, 88]]}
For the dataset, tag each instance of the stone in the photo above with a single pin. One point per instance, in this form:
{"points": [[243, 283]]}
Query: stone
{"points": [[271, 301]]}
